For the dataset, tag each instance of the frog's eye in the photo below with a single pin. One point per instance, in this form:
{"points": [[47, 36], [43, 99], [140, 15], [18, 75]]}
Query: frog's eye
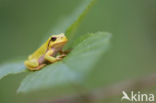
{"points": [[53, 38]]}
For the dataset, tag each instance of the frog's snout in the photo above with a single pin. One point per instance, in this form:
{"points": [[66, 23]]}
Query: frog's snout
{"points": [[63, 38]]}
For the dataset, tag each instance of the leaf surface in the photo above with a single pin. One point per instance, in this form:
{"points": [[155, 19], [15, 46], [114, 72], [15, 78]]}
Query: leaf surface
{"points": [[11, 68]]}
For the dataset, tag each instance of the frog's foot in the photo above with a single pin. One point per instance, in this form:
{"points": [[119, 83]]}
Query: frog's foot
{"points": [[65, 52], [60, 57], [39, 67], [36, 68]]}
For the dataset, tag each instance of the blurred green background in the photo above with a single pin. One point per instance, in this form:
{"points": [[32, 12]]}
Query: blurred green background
{"points": [[23, 24]]}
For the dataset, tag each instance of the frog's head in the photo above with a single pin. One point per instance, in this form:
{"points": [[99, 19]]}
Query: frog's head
{"points": [[57, 41]]}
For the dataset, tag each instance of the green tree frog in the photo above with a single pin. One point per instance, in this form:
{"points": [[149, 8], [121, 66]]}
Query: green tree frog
{"points": [[47, 53]]}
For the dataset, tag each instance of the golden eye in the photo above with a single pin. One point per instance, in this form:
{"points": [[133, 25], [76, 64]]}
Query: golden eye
{"points": [[53, 38]]}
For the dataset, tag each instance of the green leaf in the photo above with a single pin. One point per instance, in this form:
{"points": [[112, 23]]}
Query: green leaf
{"points": [[11, 68], [69, 23], [74, 68], [78, 16], [89, 49], [52, 75]]}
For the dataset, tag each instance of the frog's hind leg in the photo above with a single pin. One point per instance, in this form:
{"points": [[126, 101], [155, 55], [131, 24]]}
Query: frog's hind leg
{"points": [[32, 64], [35, 68]]}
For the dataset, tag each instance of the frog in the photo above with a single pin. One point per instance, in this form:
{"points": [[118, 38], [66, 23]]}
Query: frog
{"points": [[47, 53]]}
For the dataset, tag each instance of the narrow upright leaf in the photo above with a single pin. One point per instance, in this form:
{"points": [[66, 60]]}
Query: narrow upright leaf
{"points": [[78, 16], [69, 24]]}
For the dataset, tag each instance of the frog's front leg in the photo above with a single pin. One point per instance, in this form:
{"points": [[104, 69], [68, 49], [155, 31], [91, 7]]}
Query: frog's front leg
{"points": [[63, 53], [50, 58]]}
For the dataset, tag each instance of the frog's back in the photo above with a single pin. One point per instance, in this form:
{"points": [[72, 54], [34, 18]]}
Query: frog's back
{"points": [[40, 51]]}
